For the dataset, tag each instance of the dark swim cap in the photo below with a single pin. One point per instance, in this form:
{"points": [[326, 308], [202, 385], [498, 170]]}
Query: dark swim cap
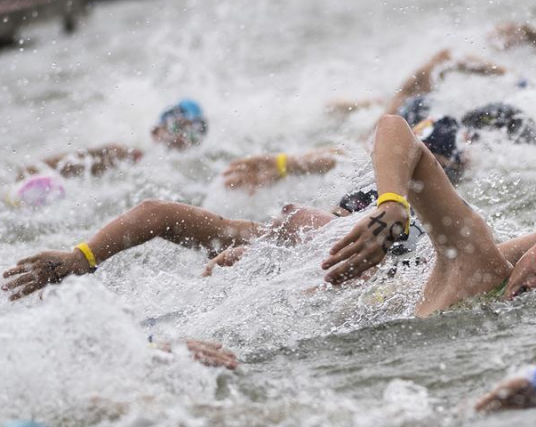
{"points": [[519, 127], [440, 136], [415, 109], [358, 200]]}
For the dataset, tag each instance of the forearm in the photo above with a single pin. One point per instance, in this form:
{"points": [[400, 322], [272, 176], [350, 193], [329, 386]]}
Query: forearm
{"points": [[475, 65], [98, 159], [315, 162], [395, 155], [182, 224], [514, 249]]}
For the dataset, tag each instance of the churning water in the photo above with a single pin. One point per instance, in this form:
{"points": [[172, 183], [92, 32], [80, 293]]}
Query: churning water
{"points": [[263, 72]]}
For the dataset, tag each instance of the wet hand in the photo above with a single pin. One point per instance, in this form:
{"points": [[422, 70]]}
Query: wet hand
{"points": [[34, 273], [212, 354], [516, 393], [367, 243], [523, 277], [227, 258], [252, 172]]}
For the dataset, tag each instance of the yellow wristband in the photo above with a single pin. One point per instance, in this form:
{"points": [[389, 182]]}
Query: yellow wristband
{"points": [[281, 164], [393, 197], [88, 253]]}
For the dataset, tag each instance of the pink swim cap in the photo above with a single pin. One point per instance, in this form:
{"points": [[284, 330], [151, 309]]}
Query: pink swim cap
{"points": [[38, 191]]}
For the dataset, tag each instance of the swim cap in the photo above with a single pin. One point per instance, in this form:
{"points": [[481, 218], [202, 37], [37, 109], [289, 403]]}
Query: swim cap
{"points": [[190, 109], [36, 191], [519, 127], [440, 136], [185, 119], [358, 200], [415, 109], [186, 109]]}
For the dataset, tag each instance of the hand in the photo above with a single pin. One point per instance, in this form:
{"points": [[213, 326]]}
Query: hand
{"points": [[227, 258], [36, 272], [212, 354], [523, 277], [252, 172], [367, 244], [516, 393]]}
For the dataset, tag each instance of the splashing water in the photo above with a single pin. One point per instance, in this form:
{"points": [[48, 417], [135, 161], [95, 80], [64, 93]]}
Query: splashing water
{"points": [[263, 72]]}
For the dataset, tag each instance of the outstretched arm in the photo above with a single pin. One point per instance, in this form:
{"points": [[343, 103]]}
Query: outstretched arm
{"points": [[467, 259], [259, 171], [98, 160], [422, 80], [182, 224]]}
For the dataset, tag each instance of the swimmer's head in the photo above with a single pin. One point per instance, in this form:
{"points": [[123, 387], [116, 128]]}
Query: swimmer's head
{"points": [[35, 192], [181, 126], [415, 109], [440, 136], [358, 200], [517, 125]]}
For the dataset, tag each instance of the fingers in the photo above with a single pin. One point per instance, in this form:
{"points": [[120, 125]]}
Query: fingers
{"points": [[487, 403], [212, 354], [351, 268], [210, 266], [27, 290], [351, 237], [23, 266], [17, 270], [519, 287], [212, 357], [235, 180], [345, 253], [19, 281]]}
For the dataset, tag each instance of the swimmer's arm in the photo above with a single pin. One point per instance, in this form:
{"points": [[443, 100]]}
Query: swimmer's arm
{"points": [[345, 106], [403, 165], [74, 164], [179, 223], [258, 171], [182, 224], [514, 249], [475, 65], [421, 81]]}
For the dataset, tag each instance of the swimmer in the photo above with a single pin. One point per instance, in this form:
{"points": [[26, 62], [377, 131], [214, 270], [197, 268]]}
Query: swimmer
{"points": [[468, 261], [445, 136], [410, 101], [179, 127], [424, 79]]}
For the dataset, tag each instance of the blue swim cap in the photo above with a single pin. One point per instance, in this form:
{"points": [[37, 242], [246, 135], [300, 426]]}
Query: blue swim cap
{"points": [[22, 423], [190, 109]]}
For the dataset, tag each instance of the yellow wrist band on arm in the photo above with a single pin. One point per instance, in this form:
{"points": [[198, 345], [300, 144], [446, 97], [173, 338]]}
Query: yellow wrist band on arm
{"points": [[393, 197], [88, 253], [281, 164]]}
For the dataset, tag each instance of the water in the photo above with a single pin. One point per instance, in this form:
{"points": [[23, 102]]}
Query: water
{"points": [[263, 72]]}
